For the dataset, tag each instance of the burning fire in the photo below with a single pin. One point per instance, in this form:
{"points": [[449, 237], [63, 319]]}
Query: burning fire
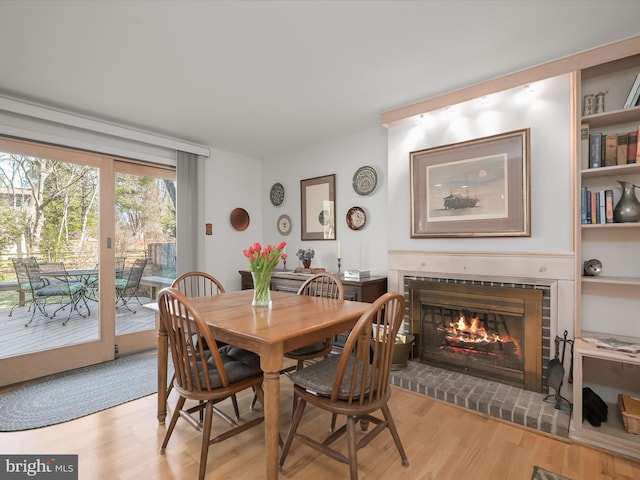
{"points": [[473, 332]]}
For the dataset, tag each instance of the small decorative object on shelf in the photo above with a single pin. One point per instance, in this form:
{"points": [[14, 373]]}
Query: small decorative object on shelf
{"points": [[628, 207], [588, 105], [600, 102], [305, 256], [592, 267], [262, 261]]}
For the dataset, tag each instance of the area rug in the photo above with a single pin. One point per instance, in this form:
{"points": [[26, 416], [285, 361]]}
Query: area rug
{"points": [[65, 396], [542, 474]]}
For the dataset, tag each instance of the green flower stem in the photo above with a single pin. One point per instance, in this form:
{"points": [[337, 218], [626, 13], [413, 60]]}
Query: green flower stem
{"points": [[261, 289]]}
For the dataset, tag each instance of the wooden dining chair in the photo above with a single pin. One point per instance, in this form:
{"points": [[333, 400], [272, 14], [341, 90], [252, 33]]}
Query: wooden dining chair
{"points": [[206, 376], [198, 284], [354, 383], [202, 284], [324, 285]]}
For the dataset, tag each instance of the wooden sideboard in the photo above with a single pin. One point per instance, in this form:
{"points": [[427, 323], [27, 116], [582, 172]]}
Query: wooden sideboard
{"points": [[365, 290]]}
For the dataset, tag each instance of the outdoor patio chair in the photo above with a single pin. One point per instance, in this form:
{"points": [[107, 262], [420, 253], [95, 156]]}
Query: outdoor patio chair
{"points": [[127, 286], [93, 281], [24, 288], [53, 285], [206, 376], [354, 383]]}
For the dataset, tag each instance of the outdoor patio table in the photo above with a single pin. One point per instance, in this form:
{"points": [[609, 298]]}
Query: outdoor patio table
{"points": [[292, 322]]}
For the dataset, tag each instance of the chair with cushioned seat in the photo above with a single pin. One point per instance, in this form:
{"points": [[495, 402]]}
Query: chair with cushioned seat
{"points": [[324, 285], [51, 283], [205, 376], [354, 383], [202, 284]]}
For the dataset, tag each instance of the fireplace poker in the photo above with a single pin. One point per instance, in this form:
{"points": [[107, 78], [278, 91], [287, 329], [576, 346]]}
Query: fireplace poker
{"points": [[570, 378]]}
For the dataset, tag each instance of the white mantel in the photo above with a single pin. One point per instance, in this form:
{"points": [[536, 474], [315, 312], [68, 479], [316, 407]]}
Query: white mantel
{"points": [[556, 270]]}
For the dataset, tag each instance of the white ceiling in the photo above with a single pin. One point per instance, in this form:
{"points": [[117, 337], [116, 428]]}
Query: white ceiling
{"points": [[266, 77]]}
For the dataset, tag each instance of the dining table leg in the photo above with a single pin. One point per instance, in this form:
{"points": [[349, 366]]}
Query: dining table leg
{"points": [[271, 362], [163, 359]]}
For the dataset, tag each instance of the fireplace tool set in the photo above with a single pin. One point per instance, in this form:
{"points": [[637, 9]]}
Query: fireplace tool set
{"points": [[555, 371]]}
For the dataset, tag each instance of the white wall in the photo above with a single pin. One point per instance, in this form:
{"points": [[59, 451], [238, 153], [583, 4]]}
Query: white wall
{"points": [[232, 180], [361, 249], [546, 113], [228, 180]]}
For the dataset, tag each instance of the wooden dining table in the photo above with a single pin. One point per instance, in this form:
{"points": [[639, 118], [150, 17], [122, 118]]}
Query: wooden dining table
{"points": [[292, 321]]}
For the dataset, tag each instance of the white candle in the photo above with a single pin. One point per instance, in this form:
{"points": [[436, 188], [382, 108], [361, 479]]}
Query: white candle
{"points": [[339, 256]]}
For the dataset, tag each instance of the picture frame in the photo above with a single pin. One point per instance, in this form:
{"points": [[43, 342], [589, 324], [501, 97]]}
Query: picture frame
{"points": [[318, 208], [476, 188]]}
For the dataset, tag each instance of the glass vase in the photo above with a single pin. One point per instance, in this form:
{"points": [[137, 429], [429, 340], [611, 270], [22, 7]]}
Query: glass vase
{"points": [[261, 289]]}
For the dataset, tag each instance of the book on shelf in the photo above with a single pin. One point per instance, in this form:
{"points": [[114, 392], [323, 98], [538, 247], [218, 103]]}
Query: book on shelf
{"points": [[632, 98], [612, 343], [638, 149], [632, 146], [608, 198], [356, 274], [610, 150], [595, 208], [623, 147], [602, 203], [583, 205], [595, 150], [584, 145]]}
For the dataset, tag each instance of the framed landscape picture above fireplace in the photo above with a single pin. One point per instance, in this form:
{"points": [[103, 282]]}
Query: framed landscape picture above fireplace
{"points": [[477, 188]]}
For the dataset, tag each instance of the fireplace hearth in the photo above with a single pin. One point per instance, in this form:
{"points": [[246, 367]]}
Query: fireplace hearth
{"points": [[492, 332]]}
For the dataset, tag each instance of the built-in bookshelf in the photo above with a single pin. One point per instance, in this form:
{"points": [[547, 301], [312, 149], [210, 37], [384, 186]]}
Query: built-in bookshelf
{"points": [[608, 302]]}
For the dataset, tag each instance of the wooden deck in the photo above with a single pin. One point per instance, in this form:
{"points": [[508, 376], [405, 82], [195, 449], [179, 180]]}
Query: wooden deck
{"points": [[15, 339]]}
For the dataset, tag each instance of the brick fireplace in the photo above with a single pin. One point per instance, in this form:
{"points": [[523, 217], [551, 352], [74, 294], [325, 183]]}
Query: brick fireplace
{"points": [[491, 330], [552, 274]]}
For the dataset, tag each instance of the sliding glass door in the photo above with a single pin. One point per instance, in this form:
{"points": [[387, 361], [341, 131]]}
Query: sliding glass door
{"points": [[68, 219], [145, 244]]}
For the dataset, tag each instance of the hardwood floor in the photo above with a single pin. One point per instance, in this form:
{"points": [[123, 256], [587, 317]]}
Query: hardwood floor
{"points": [[442, 442]]}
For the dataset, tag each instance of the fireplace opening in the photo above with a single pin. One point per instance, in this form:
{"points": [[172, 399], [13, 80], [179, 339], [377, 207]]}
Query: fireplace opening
{"points": [[486, 331]]}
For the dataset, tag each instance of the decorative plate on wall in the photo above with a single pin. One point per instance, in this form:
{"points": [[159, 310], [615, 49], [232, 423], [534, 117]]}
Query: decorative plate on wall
{"points": [[239, 219], [284, 224], [356, 218], [365, 180], [277, 194]]}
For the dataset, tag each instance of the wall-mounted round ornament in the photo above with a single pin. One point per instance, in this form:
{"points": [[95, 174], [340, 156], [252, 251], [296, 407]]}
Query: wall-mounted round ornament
{"points": [[365, 180], [277, 194], [284, 224], [239, 219], [356, 218]]}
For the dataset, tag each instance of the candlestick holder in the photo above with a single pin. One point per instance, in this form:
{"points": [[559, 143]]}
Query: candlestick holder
{"points": [[339, 265]]}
